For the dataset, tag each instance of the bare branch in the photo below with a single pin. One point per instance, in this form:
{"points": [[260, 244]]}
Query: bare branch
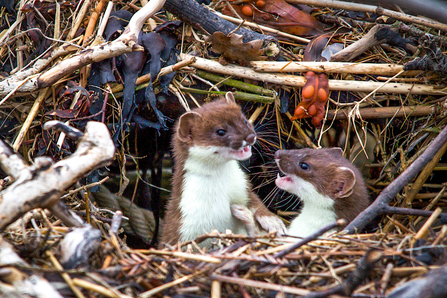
{"points": [[127, 42], [42, 184]]}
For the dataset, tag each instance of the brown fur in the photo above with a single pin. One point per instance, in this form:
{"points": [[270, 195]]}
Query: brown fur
{"points": [[326, 174], [198, 128]]}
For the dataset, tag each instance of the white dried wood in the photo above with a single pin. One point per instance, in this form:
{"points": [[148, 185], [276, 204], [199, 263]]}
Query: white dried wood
{"points": [[300, 81], [41, 184], [127, 42]]}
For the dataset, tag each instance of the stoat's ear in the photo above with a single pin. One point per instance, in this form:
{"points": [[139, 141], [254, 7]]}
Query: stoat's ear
{"points": [[230, 97], [343, 182], [336, 152], [186, 122]]}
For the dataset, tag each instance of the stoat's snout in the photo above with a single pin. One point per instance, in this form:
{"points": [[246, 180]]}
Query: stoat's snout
{"points": [[241, 154], [284, 182]]}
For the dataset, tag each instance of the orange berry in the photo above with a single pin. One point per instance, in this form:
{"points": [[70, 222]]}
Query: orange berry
{"points": [[312, 110], [322, 95], [308, 91], [260, 3], [247, 10], [299, 113]]}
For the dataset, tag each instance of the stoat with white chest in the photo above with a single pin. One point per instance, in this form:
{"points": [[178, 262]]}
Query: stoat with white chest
{"points": [[209, 189], [329, 186]]}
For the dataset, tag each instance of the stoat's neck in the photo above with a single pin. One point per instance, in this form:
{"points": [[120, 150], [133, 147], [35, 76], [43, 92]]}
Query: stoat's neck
{"points": [[317, 212], [205, 161]]}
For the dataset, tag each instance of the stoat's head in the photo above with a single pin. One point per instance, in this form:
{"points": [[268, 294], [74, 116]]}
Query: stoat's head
{"points": [[325, 169], [218, 129]]}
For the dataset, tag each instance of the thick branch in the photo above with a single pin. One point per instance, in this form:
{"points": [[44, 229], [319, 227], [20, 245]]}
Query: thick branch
{"points": [[200, 17]]}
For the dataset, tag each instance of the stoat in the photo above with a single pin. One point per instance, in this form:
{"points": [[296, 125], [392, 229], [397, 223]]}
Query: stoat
{"points": [[209, 189], [329, 186]]}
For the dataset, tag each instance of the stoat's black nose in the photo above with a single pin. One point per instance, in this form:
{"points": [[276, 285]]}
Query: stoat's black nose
{"points": [[251, 138]]}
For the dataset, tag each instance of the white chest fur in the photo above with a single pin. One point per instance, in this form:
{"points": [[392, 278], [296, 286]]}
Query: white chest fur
{"points": [[317, 211], [210, 185]]}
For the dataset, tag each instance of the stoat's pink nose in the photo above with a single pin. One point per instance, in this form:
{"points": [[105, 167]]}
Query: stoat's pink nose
{"points": [[251, 138], [280, 153]]}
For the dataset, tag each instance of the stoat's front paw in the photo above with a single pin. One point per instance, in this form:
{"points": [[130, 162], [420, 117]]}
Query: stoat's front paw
{"points": [[271, 224], [246, 216]]}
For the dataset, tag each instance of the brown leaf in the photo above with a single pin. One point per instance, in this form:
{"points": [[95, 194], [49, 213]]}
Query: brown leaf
{"points": [[233, 48], [315, 47], [277, 14]]}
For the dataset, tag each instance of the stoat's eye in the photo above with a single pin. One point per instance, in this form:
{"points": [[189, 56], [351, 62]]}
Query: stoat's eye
{"points": [[245, 120], [304, 166], [221, 132]]}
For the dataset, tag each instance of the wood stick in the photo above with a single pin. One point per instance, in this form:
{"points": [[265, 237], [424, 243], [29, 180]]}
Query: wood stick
{"points": [[405, 271], [259, 284], [64, 275], [216, 289], [97, 288], [431, 204], [387, 112], [78, 20], [330, 67], [209, 22], [423, 176], [168, 285], [300, 81], [164, 71], [313, 236], [30, 118], [379, 34], [423, 231], [236, 84], [181, 255], [93, 19], [373, 9], [47, 181]]}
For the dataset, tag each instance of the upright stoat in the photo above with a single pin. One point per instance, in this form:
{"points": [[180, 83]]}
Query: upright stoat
{"points": [[209, 189], [329, 186]]}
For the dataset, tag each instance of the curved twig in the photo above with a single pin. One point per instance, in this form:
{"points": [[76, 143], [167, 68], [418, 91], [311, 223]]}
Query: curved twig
{"points": [[127, 42]]}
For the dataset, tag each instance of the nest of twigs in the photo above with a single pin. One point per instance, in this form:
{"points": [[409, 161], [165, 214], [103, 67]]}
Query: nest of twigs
{"points": [[386, 108]]}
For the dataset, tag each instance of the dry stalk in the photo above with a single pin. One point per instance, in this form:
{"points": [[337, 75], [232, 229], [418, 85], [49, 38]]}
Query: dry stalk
{"points": [[331, 67], [299, 81]]}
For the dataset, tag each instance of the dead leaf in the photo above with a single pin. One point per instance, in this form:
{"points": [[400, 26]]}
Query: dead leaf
{"points": [[277, 14], [315, 47], [233, 48]]}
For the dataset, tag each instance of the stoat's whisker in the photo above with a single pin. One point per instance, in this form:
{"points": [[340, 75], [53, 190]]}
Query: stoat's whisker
{"points": [[269, 199], [296, 203]]}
